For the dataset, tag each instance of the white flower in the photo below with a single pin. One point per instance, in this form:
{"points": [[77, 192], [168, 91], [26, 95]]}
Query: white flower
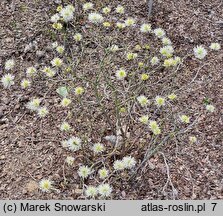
{"points": [[215, 46], [78, 37], [65, 102], [166, 41], [25, 83], [185, 119], [9, 64], [103, 173], [142, 100], [79, 90], [55, 18], [160, 101], [95, 18], [57, 26], [42, 111], [210, 108], [34, 104], [8, 80], [145, 28], [55, 44], [98, 148], [91, 191], [154, 61], [88, 6], [169, 62], [144, 77], [70, 160], [107, 24], [129, 22], [120, 9], [45, 185], [60, 49], [49, 72], [67, 14], [57, 62], [118, 165], [74, 143], [104, 190], [70, 7], [64, 143], [84, 171], [30, 71], [159, 32], [129, 162], [167, 51], [144, 119], [172, 96], [131, 56], [200, 52], [177, 60], [121, 74], [192, 139], [120, 25], [65, 126], [106, 10], [114, 48]]}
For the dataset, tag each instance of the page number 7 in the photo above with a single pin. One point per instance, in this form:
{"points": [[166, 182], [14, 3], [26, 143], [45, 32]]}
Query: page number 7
{"points": [[214, 205]]}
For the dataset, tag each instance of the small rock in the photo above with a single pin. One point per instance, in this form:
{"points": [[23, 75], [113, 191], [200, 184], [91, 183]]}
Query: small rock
{"points": [[78, 191], [123, 194], [40, 53], [49, 48], [2, 157], [57, 1], [111, 139], [32, 186], [5, 100], [151, 165], [17, 106]]}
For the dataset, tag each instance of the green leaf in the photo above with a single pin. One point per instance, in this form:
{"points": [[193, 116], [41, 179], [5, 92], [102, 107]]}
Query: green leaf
{"points": [[206, 101], [62, 91]]}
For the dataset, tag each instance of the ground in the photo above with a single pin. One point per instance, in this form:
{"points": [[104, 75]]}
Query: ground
{"points": [[29, 152]]}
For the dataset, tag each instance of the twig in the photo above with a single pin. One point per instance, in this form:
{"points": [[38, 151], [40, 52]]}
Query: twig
{"points": [[148, 155], [174, 191], [150, 5]]}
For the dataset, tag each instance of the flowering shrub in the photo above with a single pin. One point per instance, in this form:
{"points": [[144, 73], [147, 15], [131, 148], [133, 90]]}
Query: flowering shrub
{"points": [[112, 86]]}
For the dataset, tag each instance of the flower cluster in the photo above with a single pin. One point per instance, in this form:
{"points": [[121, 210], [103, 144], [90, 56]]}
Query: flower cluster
{"points": [[103, 190], [95, 18], [154, 127], [34, 105], [127, 162]]}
